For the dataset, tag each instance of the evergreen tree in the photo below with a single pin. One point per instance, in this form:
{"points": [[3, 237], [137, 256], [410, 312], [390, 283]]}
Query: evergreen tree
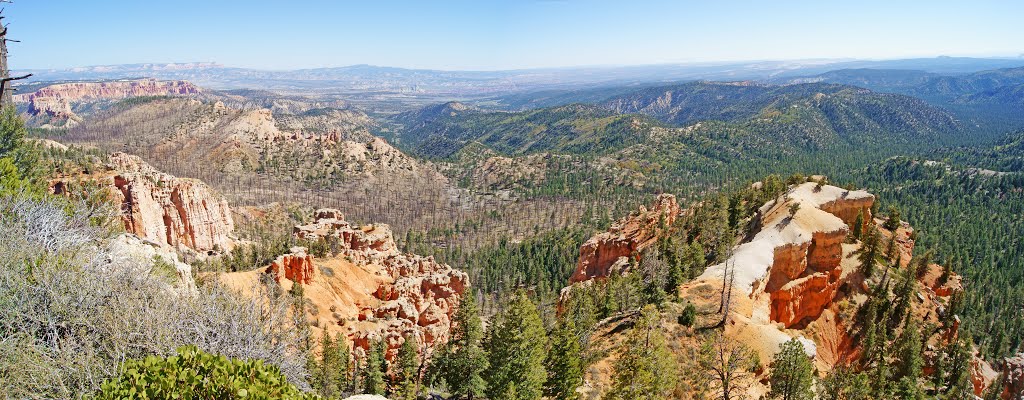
{"points": [[909, 361], [958, 384], [405, 374], [564, 365], [694, 260], [792, 375], [462, 361], [844, 384], [328, 371], [688, 316], [515, 345], [868, 334], [893, 222], [357, 372], [735, 211], [906, 289], [581, 310], [869, 253], [375, 369], [645, 368], [344, 360], [858, 225]]}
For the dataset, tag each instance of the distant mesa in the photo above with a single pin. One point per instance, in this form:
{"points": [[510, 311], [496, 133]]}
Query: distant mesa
{"points": [[56, 102]]}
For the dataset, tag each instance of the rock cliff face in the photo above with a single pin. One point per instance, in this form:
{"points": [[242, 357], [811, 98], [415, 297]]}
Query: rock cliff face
{"points": [[367, 289], [794, 276], [798, 273], [78, 91], [56, 101], [176, 211], [182, 213], [626, 238], [1013, 388], [795, 259], [296, 266]]}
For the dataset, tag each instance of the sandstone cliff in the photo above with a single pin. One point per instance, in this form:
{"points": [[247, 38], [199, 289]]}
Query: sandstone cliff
{"points": [[794, 276], [55, 102], [367, 289], [1013, 386], [182, 213], [798, 277], [605, 253]]}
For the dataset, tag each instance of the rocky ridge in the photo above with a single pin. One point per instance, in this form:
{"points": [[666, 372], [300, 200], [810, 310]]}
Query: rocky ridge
{"points": [[55, 102], [609, 252], [795, 258], [795, 276], [367, 289]]}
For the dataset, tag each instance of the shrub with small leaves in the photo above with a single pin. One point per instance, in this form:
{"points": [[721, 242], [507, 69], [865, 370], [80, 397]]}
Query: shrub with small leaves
{"points": [[195, 374]]}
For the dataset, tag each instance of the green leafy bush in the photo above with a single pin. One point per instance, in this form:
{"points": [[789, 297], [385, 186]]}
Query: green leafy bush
{"points": [[195, 374]]}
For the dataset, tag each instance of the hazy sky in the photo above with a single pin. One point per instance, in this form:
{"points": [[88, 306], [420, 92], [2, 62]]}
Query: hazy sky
{"points": [[482, 34]]}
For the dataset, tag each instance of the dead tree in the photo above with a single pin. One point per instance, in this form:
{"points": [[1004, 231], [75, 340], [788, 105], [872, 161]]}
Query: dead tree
{"points": [[6, 91]]}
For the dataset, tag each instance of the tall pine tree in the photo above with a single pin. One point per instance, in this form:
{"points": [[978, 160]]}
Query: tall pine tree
{"points": [[374, 369], [515, 344], [461, 362], [792, 374], [564, 363], [646, 369], [406, 374]]}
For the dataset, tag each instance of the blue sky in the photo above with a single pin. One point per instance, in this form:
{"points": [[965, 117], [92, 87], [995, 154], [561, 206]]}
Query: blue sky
{"points": [[484, 35]]}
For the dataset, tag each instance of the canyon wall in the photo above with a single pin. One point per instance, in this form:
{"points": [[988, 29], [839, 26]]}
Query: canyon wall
{"points": [[62, 94], [182, 213], [54, 104]]}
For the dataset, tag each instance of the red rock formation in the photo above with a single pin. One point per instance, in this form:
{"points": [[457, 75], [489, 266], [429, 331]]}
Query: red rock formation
{"points": [[78, 91], [805, 298], [805, 274], [416, 297], [296, 266], [626, 238], [847, 207], [804, 277], [1013, 388], [183, 213]]}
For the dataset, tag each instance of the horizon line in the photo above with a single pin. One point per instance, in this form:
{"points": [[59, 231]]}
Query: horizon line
{"points": [[823, 60]]}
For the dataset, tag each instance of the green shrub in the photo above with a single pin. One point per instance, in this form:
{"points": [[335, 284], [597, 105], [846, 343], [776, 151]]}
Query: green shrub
{"points": [[195, 374], [688, 316]]}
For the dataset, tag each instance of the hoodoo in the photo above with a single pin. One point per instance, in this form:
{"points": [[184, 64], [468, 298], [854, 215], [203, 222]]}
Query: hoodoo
{"points": [[367, 289]]}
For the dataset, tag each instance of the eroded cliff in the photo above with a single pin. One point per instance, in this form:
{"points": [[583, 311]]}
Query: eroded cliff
{"points": [[366, 288], [56, 102], [627, 238], [182, 213]]}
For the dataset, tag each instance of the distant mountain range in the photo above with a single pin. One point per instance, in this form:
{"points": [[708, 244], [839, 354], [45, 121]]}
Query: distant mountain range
{"points": [[798, 116], [982, 86], [474, 84]]}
